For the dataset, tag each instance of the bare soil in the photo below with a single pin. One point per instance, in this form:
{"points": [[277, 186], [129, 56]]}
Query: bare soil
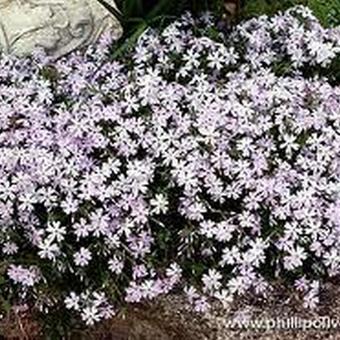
{"points": [[171, 319]]}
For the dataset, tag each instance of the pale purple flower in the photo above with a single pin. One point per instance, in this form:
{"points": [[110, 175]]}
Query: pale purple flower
{"points": [[82, 257], [72, 301], [185, 152]]}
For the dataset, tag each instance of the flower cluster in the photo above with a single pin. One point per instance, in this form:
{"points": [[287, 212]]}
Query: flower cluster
{"points": [[204, 162]]}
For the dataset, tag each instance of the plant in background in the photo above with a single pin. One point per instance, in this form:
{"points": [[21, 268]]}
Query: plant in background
{"points": [[202, 163], [327, 11], [137, 15]]}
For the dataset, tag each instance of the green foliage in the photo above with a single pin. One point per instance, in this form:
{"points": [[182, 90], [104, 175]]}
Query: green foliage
{"points": [[155, 11], [327, 11], [253, 8], [137, 15]]}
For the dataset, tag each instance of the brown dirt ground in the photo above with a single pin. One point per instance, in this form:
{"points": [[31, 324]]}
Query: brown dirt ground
{"points": [[171, 319]]}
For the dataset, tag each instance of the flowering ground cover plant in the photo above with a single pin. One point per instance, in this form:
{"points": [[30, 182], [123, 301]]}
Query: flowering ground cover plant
{"points": [[202, 162]]}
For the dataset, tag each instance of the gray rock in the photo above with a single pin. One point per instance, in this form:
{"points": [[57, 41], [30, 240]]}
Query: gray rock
{"points": [[57, 26]]}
